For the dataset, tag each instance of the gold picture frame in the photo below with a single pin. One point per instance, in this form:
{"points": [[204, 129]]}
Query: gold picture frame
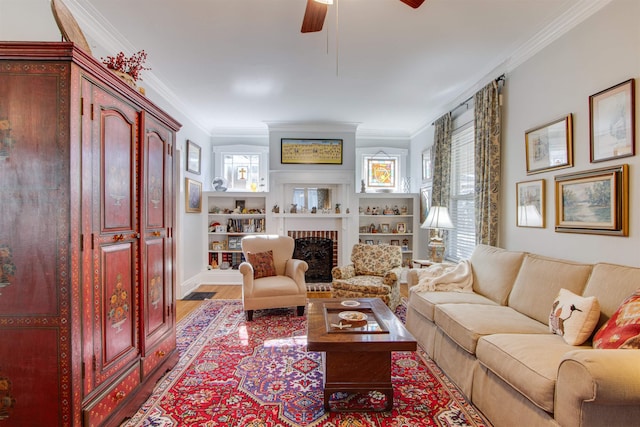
{"points": [[549, 146], [530, 204], [594, 201], [193, 196], [311, 151], [612, 122]]}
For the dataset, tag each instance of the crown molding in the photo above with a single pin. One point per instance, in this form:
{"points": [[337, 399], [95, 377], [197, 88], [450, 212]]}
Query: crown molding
{"points": [[281, 126], [565, 22], [110, 39]]}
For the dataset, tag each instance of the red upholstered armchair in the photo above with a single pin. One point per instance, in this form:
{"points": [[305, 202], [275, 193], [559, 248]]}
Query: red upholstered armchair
{"points": [[270, 277]]}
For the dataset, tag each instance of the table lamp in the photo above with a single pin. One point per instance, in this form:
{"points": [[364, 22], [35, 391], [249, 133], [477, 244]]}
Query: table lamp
{"points": [[437, 219]]}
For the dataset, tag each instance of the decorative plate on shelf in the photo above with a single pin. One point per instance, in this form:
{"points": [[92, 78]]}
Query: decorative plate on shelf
{"points": [[68, 25]]}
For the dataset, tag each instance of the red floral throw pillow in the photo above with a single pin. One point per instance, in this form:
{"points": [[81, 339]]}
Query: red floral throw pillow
{"points": [[622, 330], [262, 263]]}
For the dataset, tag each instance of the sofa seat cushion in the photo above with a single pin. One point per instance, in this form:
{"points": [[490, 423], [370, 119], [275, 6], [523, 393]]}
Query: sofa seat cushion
{"points": [[425, 302], [527, 362], [466, 323]]}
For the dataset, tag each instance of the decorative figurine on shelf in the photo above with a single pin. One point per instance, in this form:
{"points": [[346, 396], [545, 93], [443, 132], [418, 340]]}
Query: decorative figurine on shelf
{"points": [[294, 208], [337, 208], [276, 209], [314, 210], [347, 210], [368, 212], [363, 188]]}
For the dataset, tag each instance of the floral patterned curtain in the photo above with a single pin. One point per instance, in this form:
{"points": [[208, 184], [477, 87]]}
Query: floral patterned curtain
{"points": [[442, 161], [487, 162]]}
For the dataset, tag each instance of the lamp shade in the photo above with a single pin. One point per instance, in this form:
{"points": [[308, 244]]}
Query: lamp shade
{"points": [[324, 1], [439, 218]]}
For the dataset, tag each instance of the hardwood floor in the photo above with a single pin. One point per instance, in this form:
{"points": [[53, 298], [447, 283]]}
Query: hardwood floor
{"points": [[183, 308]]}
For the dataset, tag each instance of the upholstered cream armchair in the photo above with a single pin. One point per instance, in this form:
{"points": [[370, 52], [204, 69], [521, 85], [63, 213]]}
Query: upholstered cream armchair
{"points": [[270, 277], [374, 272]]}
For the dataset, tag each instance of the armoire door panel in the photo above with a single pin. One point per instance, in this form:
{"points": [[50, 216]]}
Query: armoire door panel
{"points": [[156, 244], [118, 154], [118, 283], [155, 181], [156, 297]]}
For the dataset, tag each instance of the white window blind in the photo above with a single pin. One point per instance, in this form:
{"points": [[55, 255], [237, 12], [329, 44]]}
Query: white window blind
{"points": [[462, 239]]}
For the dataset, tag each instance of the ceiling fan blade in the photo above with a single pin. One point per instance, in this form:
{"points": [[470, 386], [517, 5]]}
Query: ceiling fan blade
{"points": [[314, 16], [413, 3]]}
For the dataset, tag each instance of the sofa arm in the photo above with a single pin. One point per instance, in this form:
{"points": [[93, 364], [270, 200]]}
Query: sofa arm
{"points": [[598, 386], [412, 277], [392, 276], [343, 272]]}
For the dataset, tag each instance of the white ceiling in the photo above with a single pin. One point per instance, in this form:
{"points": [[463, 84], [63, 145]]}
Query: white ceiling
{"points": [[237, 64]]}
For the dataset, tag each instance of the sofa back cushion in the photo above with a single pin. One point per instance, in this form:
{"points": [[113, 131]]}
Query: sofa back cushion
{"points": [[375, 260], [539, 281], [494, 271], [611, 284]]}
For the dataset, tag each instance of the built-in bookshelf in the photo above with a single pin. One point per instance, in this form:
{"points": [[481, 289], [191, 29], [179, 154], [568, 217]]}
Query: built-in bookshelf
{"points": [[230, 217], [390, 219]]}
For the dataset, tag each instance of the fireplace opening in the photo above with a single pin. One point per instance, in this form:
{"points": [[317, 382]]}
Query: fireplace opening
{"points": [[318, 253]]}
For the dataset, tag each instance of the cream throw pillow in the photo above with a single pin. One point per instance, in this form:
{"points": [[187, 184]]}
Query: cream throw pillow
{"points": [[574, 317]]}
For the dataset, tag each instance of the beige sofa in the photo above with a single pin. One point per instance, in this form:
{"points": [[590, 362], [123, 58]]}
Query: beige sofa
{"points": [[495, 343]]}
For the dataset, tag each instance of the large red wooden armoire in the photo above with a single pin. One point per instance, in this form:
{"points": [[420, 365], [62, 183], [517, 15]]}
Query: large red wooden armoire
{"points": [[87, 321]]}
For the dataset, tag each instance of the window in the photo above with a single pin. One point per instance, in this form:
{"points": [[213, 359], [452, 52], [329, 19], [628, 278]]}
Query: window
{"points": [[243, 168], [382, 169], [242, 171], [462, 239]]}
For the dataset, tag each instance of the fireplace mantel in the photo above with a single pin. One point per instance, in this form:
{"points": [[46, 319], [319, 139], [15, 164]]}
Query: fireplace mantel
{"points": [[343, 193]]}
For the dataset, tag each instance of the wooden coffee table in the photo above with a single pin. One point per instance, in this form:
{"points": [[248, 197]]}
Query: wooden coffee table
{"points": [[357, 354]]}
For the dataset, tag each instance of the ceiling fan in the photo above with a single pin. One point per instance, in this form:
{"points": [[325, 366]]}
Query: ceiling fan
{"points": [[317, 10]]}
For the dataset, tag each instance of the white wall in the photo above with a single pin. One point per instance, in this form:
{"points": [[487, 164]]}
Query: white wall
{"points": [[599, 53]]}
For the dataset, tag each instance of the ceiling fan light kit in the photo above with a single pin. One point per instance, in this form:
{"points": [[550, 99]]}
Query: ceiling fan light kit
{"points": [[316, 12]]}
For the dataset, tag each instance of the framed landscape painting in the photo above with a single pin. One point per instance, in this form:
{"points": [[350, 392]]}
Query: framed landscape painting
{"points": [[594, 202]]}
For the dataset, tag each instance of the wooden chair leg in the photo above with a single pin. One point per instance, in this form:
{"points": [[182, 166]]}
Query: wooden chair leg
{"points": [[249, 315], [300, 310]]}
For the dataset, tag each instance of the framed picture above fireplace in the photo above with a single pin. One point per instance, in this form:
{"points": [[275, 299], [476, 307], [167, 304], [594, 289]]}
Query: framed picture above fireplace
{"points": [[311, 151]]}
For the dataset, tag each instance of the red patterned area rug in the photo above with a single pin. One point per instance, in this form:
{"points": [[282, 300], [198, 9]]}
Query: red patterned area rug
{"points": [[259, 374]]}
